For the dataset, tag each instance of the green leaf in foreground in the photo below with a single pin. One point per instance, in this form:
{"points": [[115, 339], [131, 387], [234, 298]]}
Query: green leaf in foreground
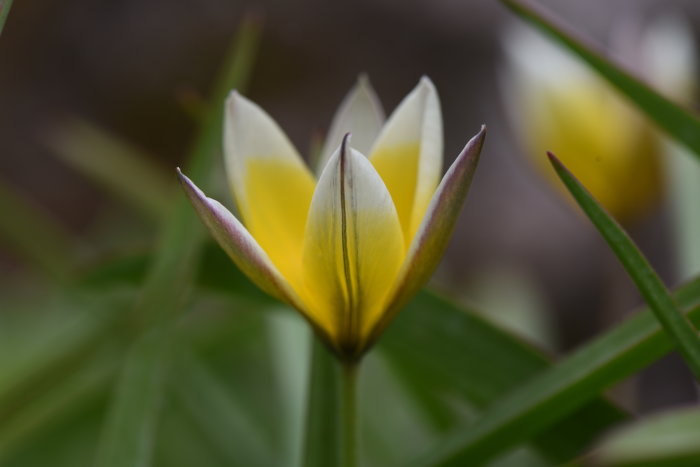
{"points": [[554, 394], [669, 439], [441, 349], [68, 398], [217, 413], [57, 353], [678, 122], [645, 278], [129, 432], [52, 372]]}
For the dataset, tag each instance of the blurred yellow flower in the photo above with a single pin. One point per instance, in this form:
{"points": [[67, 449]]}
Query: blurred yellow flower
{"points": [[350, 248], [559, 105]]}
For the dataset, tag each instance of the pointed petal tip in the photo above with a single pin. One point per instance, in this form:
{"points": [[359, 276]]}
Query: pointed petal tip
{"points": [[183, 178], [426, 85], [475, 143], [180, 175], [233, 97], [426, 81], [363, 80], [478, 138], [188, 185]]}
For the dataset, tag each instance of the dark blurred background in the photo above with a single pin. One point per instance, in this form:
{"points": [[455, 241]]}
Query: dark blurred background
{"points": [[140, 70]]}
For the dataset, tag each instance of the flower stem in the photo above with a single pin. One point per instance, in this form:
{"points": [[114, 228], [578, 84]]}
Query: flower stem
{"points": [[348, 412]]}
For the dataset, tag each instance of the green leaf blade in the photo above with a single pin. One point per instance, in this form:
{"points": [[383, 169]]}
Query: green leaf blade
{"points": [[436, 341], [128, 434], [643, 275], [556, 393], [218, 414]]}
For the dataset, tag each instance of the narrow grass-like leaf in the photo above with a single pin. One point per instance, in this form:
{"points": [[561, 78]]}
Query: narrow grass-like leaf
{"points": [[180, 444], [66, 441], [34, 236], [73, 393], [218, 415], [122, 169], [54, 355], [645, 278], [554, 394], [128, 436], [4, 11], [438, 349], [679, 123], [669, 439], [322, 438]]}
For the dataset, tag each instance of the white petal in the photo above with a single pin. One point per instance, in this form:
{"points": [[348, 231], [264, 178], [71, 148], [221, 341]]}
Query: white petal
{"points": [[353, 247], [271, 183], [408, 154], [360, 114], [539, 61], [668, 48]]}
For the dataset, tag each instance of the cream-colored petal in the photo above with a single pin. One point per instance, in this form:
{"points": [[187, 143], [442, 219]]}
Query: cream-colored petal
{"points": [[669, 56], [271, 183], [408, 154], [239, 244], [360, 114], [427, 247], [353, 248]]}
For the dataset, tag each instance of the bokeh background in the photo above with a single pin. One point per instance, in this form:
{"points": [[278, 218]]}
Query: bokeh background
{"points": [[139, 70]]}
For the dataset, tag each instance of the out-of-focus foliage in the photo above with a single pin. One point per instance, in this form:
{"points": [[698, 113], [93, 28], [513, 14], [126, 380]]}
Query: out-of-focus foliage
{"points": [[668, 439], [169, 357]]}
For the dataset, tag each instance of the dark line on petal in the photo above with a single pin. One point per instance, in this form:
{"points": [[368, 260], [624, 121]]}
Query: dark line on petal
{"points": [[349, 318]]}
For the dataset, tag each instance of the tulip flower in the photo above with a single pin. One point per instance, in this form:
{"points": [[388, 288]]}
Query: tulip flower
{"points": [[558, 104], [347, 249]]}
